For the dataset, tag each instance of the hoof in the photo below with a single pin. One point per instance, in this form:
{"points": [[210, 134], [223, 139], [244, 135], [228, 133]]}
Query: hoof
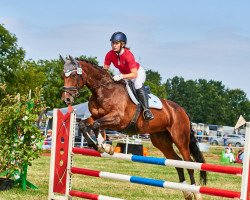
{"points": [[112, 150], [187, 195], [197, 196], [100, 149], [107, 148]]}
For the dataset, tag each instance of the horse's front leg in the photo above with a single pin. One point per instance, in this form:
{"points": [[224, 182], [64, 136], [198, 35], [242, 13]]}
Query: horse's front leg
{"points": [[102, 145], [88, 134], [95, 137], [110, 120], [100, 124]]}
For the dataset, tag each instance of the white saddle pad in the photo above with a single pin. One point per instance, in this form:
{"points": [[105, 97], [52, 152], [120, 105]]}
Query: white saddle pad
{"points": [[153, 101]]}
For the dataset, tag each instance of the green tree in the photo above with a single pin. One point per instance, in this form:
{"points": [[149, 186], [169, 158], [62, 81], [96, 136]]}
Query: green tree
{"points": [[11, 56], [212, 102], [52, 70], [154, 82], [208, 101], [174, 90], [238, 104], [18, 133], [28, 76]]}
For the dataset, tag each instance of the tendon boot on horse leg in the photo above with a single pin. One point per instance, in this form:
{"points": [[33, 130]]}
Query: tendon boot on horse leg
{"points": [[101, 144], [187, 195], [143, 98], [88, 134], [197, 196]]}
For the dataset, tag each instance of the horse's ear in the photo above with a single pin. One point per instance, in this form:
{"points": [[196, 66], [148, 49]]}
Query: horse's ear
{"points": [[62, 59], [73, 60]]}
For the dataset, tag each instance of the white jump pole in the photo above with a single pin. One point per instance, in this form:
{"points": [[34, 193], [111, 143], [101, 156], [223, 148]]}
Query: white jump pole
{"points": [[245, 195]]}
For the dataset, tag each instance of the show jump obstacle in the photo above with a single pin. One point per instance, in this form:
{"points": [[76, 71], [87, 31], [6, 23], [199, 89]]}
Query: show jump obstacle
{"points": [[63, 150]]}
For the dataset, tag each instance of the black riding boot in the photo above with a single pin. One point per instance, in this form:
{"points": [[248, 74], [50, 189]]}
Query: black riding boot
{"points": [[147, 114]]}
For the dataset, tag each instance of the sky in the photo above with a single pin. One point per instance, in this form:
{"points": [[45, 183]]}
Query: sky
{"points": [[194, 39]]}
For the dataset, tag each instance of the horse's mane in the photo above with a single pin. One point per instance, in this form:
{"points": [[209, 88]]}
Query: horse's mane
{"points": [[101, 69], [90, 62]]}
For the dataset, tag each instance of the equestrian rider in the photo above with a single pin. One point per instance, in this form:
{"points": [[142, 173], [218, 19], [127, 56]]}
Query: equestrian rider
{"points": [[123, 59]]}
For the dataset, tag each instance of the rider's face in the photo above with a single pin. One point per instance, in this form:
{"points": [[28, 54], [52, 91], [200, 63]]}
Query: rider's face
{"points": [[116, 46]]}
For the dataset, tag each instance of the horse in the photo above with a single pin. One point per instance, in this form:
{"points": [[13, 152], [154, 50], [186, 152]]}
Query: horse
{"points": [[111, 108]]}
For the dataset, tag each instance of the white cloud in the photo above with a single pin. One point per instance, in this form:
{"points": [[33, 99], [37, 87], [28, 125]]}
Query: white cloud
{"points": [[221, 54]]}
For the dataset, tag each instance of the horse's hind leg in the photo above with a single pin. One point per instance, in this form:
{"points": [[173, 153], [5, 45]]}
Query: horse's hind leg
{"points": [[183, 145], [184, 150], [164, 143]]}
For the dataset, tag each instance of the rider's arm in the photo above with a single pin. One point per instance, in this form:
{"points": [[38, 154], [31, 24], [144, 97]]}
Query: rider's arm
{"points": [[107, 60], [132, 75]]}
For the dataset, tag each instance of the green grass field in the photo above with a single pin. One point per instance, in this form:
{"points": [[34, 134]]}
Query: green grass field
{"points": [[38, 174]]}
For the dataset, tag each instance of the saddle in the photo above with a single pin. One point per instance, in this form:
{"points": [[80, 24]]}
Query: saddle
{"points": [[154, 101]]}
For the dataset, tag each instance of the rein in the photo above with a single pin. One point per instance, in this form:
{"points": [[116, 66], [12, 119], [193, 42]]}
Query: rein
{"points": [[74, 90], [102, 84]]}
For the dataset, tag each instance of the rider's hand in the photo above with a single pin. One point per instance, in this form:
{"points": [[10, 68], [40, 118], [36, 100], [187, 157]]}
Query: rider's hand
{"points": [[118, 77], [106, 67]]}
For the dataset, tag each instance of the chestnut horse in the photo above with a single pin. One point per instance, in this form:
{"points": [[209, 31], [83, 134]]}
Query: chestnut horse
{"points": [[111, 108]]}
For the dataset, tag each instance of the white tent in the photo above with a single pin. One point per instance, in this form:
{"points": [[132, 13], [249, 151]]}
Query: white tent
{"points": [[82, 111], [241, 121]]}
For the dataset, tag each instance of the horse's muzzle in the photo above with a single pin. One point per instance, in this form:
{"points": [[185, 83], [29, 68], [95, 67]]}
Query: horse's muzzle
{"points": [[69, 93], [67, 98]]}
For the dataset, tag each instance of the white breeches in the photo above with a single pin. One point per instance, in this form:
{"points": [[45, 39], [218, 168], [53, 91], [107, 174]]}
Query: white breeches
{"points": [[140, 79], [230, 156]]}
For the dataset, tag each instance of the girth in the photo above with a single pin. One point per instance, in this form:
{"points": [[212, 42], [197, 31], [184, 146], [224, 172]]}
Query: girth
{"points": [[132, 129]]}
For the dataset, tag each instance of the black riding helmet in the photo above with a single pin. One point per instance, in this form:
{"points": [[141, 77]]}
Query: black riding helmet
{"points": [[119, 37]]}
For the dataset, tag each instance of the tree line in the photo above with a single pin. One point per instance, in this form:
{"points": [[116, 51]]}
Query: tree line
{"points": [[206, 101]]}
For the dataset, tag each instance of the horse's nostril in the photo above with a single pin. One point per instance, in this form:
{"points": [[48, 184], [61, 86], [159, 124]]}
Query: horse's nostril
{"points": [[68, 100]]}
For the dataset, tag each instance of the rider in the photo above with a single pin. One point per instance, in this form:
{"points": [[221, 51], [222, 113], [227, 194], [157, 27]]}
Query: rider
{"points": [[123, 59]]}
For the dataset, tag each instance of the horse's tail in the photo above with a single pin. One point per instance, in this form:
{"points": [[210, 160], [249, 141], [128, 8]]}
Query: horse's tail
{"points": [[197, 155]]}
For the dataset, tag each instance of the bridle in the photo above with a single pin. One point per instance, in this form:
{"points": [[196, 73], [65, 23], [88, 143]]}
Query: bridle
{"points": [[73, 90]]}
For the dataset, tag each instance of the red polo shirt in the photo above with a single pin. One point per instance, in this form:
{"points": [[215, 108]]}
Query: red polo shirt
{"points": [[127, 61]]}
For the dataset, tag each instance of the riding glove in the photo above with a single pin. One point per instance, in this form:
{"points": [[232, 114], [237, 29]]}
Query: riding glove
{"points": [[118, 77]]}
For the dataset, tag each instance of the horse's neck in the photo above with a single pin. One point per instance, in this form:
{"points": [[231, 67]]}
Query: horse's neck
{"points": [[96, 78]]}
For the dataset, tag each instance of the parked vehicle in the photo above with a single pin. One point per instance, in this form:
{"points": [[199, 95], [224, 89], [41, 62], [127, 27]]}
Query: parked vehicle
{"points": [[112, 134], [234, 139], [213, 127], [145, 136]]}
